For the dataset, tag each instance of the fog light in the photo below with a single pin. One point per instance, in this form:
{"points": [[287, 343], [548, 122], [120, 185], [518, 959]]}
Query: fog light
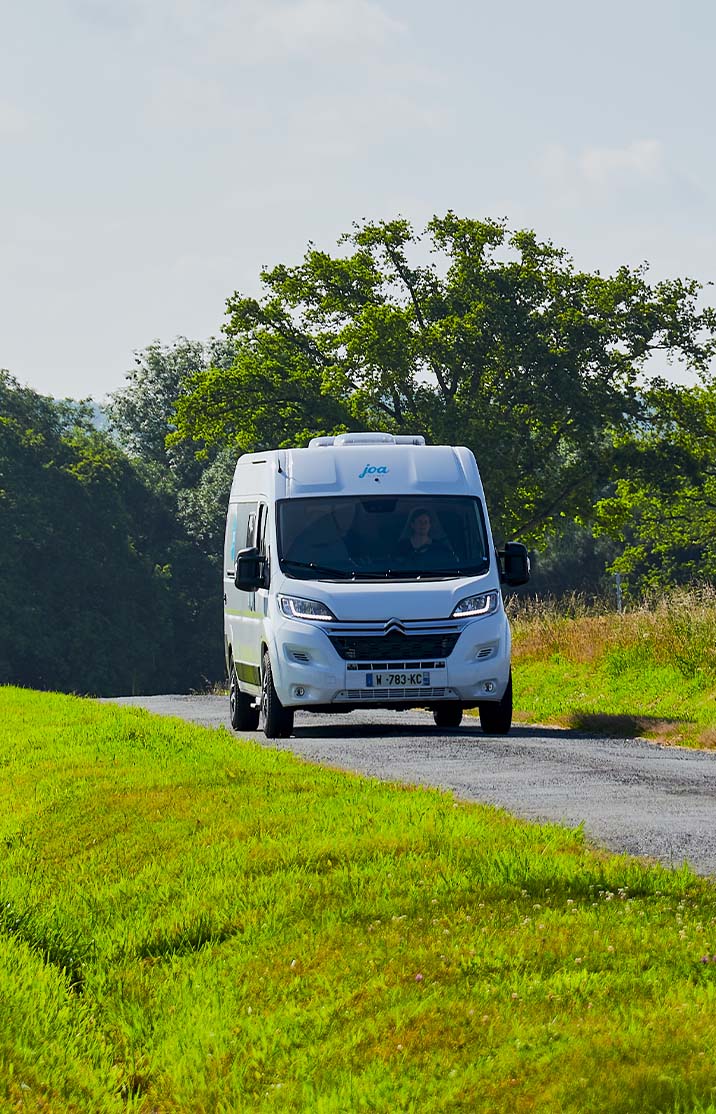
{"points": [[299, 690], [489, 686]]}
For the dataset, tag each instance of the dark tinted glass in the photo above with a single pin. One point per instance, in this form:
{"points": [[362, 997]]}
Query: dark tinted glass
{"points": [[399, 537]]}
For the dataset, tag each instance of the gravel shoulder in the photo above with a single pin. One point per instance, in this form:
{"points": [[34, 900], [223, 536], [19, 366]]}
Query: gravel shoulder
{"points": [[631, 795]]}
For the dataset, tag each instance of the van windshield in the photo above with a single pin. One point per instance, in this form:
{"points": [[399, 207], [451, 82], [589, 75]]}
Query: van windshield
{"points": [[403, 537]]}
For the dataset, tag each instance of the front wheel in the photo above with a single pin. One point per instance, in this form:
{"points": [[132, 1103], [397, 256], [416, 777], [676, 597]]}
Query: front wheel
{"points": [[448, 714], [496, 716], [276, 721], [242, 713]]}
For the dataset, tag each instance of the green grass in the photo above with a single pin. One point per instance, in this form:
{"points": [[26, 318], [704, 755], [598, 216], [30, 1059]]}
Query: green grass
{"points": [[193, 923], [650, 671]]}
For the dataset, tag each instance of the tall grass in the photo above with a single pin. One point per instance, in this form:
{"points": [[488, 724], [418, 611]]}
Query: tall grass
{"points": [[655, 663], [197, 924]]}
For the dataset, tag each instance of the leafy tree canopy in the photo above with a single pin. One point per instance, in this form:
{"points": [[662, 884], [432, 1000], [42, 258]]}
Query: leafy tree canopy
{"points": [[101, 591], [468, 334], [22, 408], [141, 414], [662, 509], [141, 417]]}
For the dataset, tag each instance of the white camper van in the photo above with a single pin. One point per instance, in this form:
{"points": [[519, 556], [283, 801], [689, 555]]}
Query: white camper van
{"points": [[360, 572]]}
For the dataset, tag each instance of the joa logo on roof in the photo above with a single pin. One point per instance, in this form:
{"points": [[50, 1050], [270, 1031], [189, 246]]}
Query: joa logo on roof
{"points": [[373, 470]]}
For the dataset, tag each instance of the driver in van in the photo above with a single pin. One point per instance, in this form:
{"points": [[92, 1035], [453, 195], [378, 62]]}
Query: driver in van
{"points": [[420, 541]]}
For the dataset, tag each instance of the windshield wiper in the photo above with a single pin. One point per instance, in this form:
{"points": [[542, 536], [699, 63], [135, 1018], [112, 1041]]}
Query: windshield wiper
{"points": [[391, 573], [422, 574], [322, 570], [434, 574]]}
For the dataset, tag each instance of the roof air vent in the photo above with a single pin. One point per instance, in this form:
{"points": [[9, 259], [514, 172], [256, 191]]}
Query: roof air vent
{"points": [[367, 439]]}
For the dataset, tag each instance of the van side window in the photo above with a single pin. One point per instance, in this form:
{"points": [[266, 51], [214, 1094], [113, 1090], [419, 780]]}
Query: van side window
{"points": [[230, 543], [261, 531], [251, 527], [245, 511]]}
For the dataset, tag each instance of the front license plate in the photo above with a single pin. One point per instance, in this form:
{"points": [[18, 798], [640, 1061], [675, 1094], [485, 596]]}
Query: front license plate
{"points": [[401, 680]]}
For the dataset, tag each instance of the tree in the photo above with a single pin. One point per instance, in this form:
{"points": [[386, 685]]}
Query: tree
{"points": [[468, 334], [202, 508], [141, 414], [101, 591], [662, 509], [572, 561]]}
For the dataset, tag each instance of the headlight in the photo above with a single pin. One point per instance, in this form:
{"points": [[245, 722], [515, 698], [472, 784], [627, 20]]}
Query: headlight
{"points": [[296, 608], [484, 604]]}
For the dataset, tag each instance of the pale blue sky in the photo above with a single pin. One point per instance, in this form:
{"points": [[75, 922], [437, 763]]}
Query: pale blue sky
{"points": [[155, 153]]}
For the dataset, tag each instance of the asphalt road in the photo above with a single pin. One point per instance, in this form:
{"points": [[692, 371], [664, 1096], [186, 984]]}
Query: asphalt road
{"points": [[631, 795]]}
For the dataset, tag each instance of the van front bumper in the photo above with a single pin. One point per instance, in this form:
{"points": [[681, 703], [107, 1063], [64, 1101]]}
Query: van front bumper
{"points": [[308, 669]]}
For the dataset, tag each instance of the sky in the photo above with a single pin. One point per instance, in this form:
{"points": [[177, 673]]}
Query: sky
{"points": [[156, 154]]}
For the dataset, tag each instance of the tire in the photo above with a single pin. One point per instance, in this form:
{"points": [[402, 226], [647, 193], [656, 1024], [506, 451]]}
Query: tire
{"points": [[496, 717], [276, 721], [448, 714], [242, 713]]}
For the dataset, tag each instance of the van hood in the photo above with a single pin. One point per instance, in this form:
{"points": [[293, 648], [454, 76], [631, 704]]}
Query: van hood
{"points": [[378, 601]]}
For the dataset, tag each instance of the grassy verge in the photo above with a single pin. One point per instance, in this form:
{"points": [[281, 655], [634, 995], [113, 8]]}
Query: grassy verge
{"points": [[190, 923], [651, 671]]}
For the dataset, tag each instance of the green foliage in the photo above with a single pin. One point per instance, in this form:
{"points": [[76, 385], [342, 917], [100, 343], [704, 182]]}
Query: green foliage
{"points": [[495, 341], [202, 507], [663, 506], [193, 480], [100, 589], [571, 560], [141, 414]]}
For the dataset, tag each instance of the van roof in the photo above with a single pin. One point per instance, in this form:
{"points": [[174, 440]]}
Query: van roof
{"points": [[384, 466]]}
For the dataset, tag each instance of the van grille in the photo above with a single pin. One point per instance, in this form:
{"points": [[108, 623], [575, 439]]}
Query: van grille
{"points": [[355, 696], [394, 646]]}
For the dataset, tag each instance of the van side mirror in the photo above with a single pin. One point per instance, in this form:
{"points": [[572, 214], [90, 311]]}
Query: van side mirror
{"points": [[515, 564], [250, 570]]}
